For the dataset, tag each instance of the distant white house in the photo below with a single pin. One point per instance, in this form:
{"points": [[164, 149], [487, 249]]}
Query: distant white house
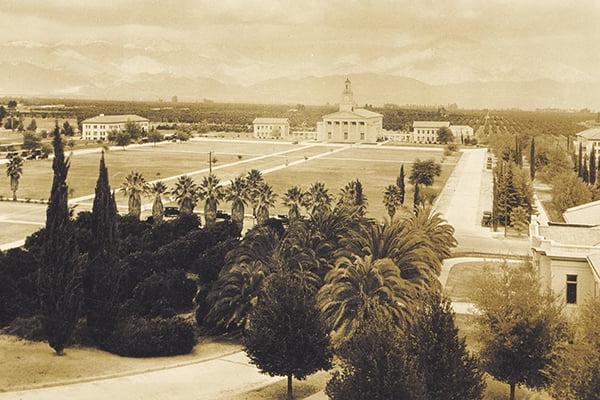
{"points": [[271, 128], [99, 127], [567, 257], [461, 131], [426, 131], [585, 214], [588, 139]]}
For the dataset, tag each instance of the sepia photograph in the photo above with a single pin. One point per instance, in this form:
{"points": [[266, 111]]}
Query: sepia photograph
{"points": [[300, 200]]}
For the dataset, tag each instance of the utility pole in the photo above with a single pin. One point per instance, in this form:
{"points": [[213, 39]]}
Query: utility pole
{"points": [[210, 162]]}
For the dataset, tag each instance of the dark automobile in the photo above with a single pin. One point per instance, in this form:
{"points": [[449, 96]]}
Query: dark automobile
{"points": [[171, 211], [486, 218], [223, 215]]}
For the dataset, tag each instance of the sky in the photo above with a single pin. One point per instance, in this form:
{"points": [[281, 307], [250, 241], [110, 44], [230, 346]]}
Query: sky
{"points": [[248, 41]]}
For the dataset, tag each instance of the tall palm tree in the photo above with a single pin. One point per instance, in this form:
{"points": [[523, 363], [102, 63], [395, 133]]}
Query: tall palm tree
{"points": [[294, 199], [352, 195], [210, 190], [392, 199], [356, 282], [266, 200], [236, 194], [254, 182], [158, 209], [14, 171], [318, 199], [185, 193], [134, 187]]}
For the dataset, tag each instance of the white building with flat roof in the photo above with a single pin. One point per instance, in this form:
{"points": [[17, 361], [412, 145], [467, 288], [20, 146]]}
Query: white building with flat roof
{"points": [[461, 131], [588, 139], [584, 214], [350, 124], [567, 257], [275, 128], [426, 131], [99, 127]]}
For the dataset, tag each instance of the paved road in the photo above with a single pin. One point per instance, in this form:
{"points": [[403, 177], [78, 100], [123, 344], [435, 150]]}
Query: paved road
{"points": [[223, 378], [467, 193]]}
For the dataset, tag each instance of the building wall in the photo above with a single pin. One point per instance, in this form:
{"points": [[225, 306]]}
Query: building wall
{"points": [[425, 135], [350, 130], [587, 145], [100, 131], [265, 130]]}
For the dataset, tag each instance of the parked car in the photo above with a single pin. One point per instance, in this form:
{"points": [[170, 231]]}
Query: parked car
{"points": [[223, 215], [171, 211], [486, 218]]}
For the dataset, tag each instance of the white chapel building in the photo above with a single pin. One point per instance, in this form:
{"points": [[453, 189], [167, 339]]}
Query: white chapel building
{"points": [[350, 124]]}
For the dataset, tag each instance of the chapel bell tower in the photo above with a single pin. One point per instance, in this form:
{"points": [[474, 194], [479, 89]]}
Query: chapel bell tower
{"points": [[347, 103]]}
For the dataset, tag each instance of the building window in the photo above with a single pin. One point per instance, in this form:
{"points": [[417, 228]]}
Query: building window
{"points": [[345, 122], [362, 136], [361, 122], [571, 289], [345, 135], [328, 135]]}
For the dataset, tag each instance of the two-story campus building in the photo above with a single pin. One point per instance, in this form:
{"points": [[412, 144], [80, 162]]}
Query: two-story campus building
{"points": [[271, 128], [99, 127], [349, 123]]}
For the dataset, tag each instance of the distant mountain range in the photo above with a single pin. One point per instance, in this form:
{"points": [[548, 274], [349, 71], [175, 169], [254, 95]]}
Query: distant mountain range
{"points": [[28, 79]]}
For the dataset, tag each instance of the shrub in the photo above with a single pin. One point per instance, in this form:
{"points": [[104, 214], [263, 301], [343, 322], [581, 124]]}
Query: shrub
{"points": [[141, 337], [209, 264], [29, 328], [170, 289]]}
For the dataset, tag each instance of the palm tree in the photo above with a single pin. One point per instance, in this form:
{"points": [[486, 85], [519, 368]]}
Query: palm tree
{"points": [[134, 187], [211, 190], [294, 199], [185, 193], [318, 199], [353, 284], [158, 189], [266, 200], [14, 171], [392, 199], [236, 194], [254, 182], [352, 195]]}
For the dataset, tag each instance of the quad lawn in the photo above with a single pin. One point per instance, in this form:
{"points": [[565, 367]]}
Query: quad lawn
{"points": [[463, 278]]}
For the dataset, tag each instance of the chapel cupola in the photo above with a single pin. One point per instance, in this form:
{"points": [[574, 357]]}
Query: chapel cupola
{"points": [[347, 103]]}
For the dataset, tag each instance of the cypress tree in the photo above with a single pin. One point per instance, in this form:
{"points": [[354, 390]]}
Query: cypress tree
{"points": [[103, 275], [580, 162], [416, 198], [495, 203], [585, 171], [61, 264], [400, 184], [592, 174], [532, 159]]}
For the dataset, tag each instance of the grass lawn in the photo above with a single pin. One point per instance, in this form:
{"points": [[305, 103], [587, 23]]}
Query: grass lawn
{"points": [[277, 391], [25, 364], [463, 278]]}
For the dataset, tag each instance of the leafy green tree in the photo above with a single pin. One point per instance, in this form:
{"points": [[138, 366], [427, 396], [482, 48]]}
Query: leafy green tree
{"points": [[519, 219], [401, 185], [449, 371], [344, 298], [575, 375], [391, 200], [285, 334], [318, 199], [352, 196], [158, 209], [103, 275], [236, 194], [417, 201], [532, 159], [133, 130], [424, 172], [32, 127], [266, 201], [375, 364], [212, 192], [182, 136], [185, 193], [122, 139], [134, 187], [585, 172], [67, 129], [11, 123], [14, 171], [294, 200], [520, 327], [31, 141], [568, 190], [61, 264], [444, 135], [155, 136]]}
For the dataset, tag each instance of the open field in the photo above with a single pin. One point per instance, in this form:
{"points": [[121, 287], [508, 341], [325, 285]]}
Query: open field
{"points": [[334, 165], [463, 277]]}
